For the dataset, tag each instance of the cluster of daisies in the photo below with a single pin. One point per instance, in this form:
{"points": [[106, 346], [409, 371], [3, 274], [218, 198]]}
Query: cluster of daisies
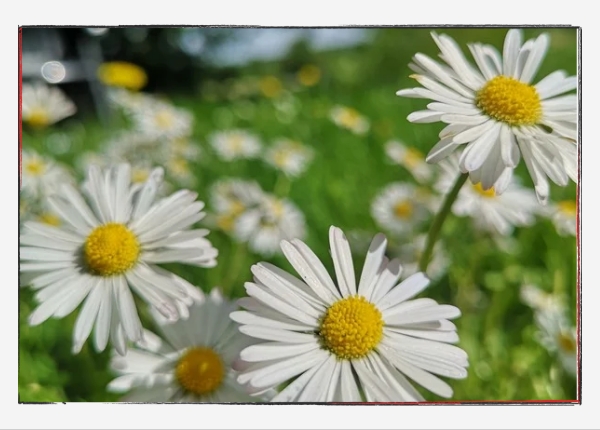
{"points": [[100, 246]]}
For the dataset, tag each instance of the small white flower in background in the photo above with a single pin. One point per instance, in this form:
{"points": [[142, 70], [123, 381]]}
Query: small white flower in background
{"points": [[265, 226], [345, 343], [411, 159], [128, 101], [231, 197], [42, 105], [40, 175], [497, 114], [161, 120], [178, 168], [350, 119], [110, 242], [400, 208], [289, 156], [134, 146], [490, 211], [410, 252], [539, 300], [235, 144], [564, 217], [189, 361]]}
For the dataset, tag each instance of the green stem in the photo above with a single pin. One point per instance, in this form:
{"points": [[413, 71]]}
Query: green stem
{"points": [[438, 221], [239, 255]]}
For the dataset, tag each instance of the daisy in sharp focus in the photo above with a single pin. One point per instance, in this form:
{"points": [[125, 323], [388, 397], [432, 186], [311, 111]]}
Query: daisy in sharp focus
{"points": [[235, 144], [411, 159], [490, 211], [400, 208], [190, 361], [42, 105], [267, 224], [112, 240], [345, 343], [497, 114], [289, 156], [350, 119]]}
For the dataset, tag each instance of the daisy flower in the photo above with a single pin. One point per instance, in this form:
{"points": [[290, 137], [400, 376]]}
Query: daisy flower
{"points": [[122, 74], [266, 225], [40, 175], [558, 336], [350, 119], [113, 239], [539, 300], [490, 211], [498, 114], [564, 217], [309, 75], [42, 105], [289, 156], [235, 144], [161, 120], [232, 197], [345, 343], [409, 158], [191, 361], [410, 253], [399, 208]]}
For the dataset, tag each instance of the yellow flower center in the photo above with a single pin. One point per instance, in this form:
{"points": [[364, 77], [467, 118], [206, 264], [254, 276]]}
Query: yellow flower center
{"points": [[179, 166], [38, 118], [111, 249], [281, 157], [235, 142], [567, 343], [349, 118], [200, 371], [139, 175], [270, 86], [122, 74], [226, 221], [309, 75], [511, 101], [485, 193], [35, 167], [351, 328], [412, 158], [50, 219], [568, 207], [164, 119], [403, 209]]}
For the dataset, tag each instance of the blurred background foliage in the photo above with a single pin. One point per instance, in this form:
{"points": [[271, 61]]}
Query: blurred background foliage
{"points": [[266, 96]]}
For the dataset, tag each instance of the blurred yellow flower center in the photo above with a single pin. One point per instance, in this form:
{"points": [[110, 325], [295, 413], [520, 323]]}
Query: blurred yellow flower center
{"points": [[309, 75], [485, 193], [412, 158], [568, 207], [403, 209], [164, 119], [567, 343], [349, 118], [235, 142], [50, 219], [139, 175], [179, 166], [38, 117], [35, 167], [511, 101], [122, 74], [200, 371], [226, 221], [351, 328], [270, 86], [111, 249]]}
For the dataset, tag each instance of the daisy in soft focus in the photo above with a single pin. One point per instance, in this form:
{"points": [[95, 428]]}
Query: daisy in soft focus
{"points": [[40, 175], [410, 252], [409, 158], [490, 211], [235, 144], [539, 300], [42, 105], [267, 224], [345, 343], [232, 197], [190, 361], [399, 208], [161, 120], [289, 156], [110, 242], [122, 74], [558, 336], [350, 119], [564, 217], [497, 114]]}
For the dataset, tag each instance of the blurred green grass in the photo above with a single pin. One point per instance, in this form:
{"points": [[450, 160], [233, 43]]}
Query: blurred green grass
{"points": [[496, 329]]}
